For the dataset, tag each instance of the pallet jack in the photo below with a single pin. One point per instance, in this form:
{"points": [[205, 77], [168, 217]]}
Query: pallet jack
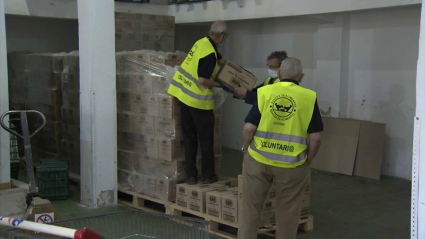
{"points": [[38, 209]]}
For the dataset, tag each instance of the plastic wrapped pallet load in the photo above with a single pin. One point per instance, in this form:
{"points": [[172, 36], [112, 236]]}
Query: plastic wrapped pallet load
{"points": [[150, 140]]}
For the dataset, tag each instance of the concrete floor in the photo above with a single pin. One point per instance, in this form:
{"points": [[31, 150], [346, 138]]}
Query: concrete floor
{"points": [[349, 207], [342, 206]]}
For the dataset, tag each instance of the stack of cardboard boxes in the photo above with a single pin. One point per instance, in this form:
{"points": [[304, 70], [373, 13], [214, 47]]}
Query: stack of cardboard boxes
{"points": [[150, 140], [70, 112], [44, 93], [143, 31], [268, 213], [150, 144], [219, 200], [17, 82]]}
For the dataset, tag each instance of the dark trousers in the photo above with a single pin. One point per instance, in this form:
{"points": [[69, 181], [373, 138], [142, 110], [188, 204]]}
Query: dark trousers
{"points": [[198, 125]]}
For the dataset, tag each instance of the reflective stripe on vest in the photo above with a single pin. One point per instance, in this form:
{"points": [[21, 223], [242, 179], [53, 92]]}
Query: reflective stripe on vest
{"points": [[280, 157], [185, 85], [191, 78], [190, 93], [282, 137]]}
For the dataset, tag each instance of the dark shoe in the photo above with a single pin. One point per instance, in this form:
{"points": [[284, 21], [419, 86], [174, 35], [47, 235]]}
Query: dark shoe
{"points": [[211, 180], [192, 181]]}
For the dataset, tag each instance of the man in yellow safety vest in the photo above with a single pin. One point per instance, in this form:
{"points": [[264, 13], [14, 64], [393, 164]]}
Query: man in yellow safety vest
{"points": [[192, 85], [281, 138]]}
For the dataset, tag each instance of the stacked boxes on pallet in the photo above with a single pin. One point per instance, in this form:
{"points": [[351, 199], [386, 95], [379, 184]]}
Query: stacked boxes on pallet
{"points": [[218, 200], [150, 145], [268, 214], [17, 80], [70, 112], [35, 84], [44, 94], [143, 31]]}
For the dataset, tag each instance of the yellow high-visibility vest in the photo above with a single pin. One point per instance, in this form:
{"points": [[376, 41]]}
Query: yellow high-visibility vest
{"points": [[267, 81], [185, 84], [281, 139]]}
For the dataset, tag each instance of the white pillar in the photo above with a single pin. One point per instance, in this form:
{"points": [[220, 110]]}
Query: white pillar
{"points": [[418, 164], [4, 101], [97, 103]]}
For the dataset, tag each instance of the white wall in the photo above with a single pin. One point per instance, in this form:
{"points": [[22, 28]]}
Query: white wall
{"points": [[361, 64], [38, 34], [382, 79]]}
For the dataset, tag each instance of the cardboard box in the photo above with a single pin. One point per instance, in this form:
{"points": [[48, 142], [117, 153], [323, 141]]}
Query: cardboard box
{"points": [[138, 182], [166, 189], [147, 165], [182, 194], [70, 98], [233, 76], [213, 202], [70, 132], [169, 107], [144, 124], [145, 104], [125, 123], [127, 160], [52, 113], [124, 179], [149, 185], [153, 147], [45, 96], [142, 83], [172, 63], [170, 149], [166, 127], [229, 182], [174, 169], [196, 196], [160, 85], [70, 81], [70, 116], [229, 202]]}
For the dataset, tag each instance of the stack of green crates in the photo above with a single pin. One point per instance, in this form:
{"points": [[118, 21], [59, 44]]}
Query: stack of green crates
{"points": [[53, 179]]}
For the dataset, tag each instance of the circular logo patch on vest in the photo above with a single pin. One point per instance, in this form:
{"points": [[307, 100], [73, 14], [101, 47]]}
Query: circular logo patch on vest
{"points": [[283, 107], [191, 53]]}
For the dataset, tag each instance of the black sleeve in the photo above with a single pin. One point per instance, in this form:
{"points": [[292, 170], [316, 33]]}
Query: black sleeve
{"points": [[316, 124], [259, 86], [254, 115], [206, 66], [251, 97], [219, 57]]}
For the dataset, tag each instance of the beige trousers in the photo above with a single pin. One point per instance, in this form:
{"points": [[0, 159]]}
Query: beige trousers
{"points": [[290, 187]]}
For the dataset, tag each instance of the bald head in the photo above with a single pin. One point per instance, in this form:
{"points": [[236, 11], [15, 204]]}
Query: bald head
{"points": [[218, 28], [291, 68]]}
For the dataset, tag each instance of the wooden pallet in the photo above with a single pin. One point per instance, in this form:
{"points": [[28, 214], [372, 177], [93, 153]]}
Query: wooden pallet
{"points": [[306, 223], [138, 201]]}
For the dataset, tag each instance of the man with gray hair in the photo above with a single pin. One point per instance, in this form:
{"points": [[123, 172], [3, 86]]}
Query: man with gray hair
{"points": [[192, 85], [281, 137]]}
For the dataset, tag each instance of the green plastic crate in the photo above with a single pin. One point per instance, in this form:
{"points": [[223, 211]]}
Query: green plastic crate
{"points": [[14, 170], [53, 179]]}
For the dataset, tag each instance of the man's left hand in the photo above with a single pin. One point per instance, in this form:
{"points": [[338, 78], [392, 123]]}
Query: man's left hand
{"points": [[240, 92]]}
